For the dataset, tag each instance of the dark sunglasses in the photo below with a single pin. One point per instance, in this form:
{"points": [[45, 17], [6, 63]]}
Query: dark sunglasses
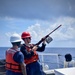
{"points": [[28, 38]]}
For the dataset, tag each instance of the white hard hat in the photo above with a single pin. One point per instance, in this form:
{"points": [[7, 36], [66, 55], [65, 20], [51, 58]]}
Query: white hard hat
{"points": [[15, 38]]}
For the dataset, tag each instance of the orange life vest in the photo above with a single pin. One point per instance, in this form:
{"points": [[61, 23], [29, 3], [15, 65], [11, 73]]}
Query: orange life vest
{"points": [[33, 58], [10, 63]]}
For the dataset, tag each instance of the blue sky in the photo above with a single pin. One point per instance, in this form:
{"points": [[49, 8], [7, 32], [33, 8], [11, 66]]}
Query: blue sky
{"points": [[39, 17]]}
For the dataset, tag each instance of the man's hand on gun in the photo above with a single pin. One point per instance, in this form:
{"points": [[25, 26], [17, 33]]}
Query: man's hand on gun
{"points": [[43, 40], [35, 47]]}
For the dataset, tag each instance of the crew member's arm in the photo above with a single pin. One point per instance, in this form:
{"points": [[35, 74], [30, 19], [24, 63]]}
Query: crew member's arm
{"points": [[23, 67], [38, 48], [42, 48]]}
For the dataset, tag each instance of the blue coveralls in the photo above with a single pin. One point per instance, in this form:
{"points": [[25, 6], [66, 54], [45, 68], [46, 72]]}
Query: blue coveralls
{"points": [[34, 69]]}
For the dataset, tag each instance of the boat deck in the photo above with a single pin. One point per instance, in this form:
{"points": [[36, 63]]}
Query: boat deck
{"points": [[2, 67], [49, 72]]}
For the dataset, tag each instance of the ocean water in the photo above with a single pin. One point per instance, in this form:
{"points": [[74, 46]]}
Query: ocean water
{"points": [[49, 60], [56, 61], [2, 52]]}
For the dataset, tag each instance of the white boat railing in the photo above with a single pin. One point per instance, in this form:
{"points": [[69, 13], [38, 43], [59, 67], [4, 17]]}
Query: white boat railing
{"points": [[59, 62], [49, 54]]}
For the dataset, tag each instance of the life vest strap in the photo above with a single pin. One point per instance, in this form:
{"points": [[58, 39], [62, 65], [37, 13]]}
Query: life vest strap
{"points": [[11, 66]]}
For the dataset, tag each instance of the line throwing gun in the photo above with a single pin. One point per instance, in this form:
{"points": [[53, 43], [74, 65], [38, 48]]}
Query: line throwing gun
{"points": [[46, 37]]}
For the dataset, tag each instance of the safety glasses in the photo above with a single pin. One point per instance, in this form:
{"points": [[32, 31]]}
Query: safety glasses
{"points": [[29, 38]]}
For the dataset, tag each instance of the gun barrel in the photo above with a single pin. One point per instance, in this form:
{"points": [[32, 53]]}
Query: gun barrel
{"points": [[54, 29]]}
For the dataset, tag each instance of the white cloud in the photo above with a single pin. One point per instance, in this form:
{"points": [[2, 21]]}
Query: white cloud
{"points": [[8, 34], [65, 32], [36, 31]]}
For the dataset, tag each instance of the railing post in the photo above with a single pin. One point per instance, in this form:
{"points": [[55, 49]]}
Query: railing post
{"points": [[58, 61], [42, 61]]}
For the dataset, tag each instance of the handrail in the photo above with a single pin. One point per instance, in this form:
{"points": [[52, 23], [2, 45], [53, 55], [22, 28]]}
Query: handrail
{"points": [[50, 54]]}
